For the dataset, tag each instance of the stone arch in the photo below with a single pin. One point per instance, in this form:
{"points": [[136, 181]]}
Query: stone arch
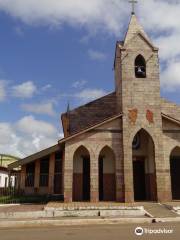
{"points": [[144, 168], [175, 172], [149, 131], [140, 67], [81, 174], [107, 174]]}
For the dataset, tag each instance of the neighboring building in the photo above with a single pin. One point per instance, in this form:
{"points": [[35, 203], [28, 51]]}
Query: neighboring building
{"points": [[122, 147], [4, 178], [5, 160]]}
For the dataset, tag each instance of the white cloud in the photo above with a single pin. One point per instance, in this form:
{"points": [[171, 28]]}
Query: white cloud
{"points": [[30, 125], [46, 87], [40, 108], [79, 84], [92, 14], [18, 30], [8, 140], [160, 17], [86, 95], [170, 78], [90, 94], [2, 90], [24, 90], [169, 46], [96, 55], [27, 136], [6, 133]]}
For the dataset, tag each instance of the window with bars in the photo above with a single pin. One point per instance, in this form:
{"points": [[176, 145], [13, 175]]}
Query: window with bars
{"points": [[58, 174], [44, 172], [30, 172]]}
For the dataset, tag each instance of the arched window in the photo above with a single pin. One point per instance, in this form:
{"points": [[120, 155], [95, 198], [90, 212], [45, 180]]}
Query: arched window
{"points": [[81, 175], [140, 67]]}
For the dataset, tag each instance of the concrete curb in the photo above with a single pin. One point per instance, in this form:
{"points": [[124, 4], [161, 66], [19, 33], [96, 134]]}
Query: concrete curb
{"points": [[81, 222], [10, 205], [53, 213]]}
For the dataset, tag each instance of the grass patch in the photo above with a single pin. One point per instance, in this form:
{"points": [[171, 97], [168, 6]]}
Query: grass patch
{"points": [[23, 199]]}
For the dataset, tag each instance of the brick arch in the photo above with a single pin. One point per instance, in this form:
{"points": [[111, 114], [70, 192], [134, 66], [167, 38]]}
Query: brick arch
{"points": [[85, 146], [144, 167], [173, 149], [81, 174], [81, 147], [100, 149], [138, 129], [107, 174]]}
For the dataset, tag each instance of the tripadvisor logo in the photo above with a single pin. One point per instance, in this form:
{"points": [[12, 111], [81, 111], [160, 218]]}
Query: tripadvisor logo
{"points": [[139, 231]]}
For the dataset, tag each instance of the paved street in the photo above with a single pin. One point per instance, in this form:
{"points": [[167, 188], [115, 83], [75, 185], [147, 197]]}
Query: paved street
{"points": [[110, 232]]}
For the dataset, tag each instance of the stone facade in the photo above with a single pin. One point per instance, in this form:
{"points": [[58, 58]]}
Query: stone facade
{"points": [[133, 125], [94, 142], [144, 95]]}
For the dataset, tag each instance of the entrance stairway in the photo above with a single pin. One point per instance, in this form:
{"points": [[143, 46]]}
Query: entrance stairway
{"points": [[158, 210]]}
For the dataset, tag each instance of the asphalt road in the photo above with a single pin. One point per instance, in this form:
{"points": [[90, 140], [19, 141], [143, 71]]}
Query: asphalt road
{"points": [[108, 232]]}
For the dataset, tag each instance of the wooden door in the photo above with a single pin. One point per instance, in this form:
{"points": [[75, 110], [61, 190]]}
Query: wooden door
{"points": [[175, 178], [139, 180], [86, 179]]}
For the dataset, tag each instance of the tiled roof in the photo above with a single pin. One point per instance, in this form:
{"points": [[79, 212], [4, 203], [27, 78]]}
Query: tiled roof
{"points": [[170, 108], [92, 113]]}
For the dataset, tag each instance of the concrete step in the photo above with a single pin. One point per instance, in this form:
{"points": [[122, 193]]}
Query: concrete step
{"points": [[158, 210]]}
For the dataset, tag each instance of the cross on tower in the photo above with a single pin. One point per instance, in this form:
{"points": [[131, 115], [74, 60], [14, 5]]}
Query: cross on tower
{"points": [[133, 2]]}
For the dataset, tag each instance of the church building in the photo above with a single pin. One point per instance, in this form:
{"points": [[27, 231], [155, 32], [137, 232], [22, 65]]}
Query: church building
{"points": [[123, 147]]}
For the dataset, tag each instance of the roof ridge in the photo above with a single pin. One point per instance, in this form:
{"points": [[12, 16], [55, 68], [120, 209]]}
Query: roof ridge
{"points": [[91, 127], [169, 101], [93, 101], [134, 27], [169, 117]]}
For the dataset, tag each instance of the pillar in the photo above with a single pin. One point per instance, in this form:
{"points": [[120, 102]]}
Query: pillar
{"points": [[23, 177], [94, 177], [128, 175], [51, 173], [119, 179], [37, 174], [63, 161], [68, 174]]}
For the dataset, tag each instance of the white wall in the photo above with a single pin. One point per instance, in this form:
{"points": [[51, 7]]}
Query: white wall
{"points": [[78, 160], [108, 161], [3, 177]]}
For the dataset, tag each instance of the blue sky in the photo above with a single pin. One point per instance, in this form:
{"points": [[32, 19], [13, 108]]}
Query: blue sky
{"points": [[44, 65], [56, 57]]}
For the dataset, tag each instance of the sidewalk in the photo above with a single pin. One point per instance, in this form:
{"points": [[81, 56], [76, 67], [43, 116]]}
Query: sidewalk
{"points": [[53, 210], [21, 207], [62, 214], [82, 222]]}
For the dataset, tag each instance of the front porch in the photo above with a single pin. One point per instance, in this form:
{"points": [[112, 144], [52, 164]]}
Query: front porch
{"points": [[45, 176]]}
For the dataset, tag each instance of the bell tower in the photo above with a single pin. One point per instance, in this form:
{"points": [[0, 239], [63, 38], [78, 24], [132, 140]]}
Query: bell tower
{"points": [[137, 84], [136, 69]]}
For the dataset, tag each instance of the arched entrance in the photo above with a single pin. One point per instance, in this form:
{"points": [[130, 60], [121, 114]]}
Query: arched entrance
{"points": [[144, 173], [107, 176], [81, 175], [175, 173]]}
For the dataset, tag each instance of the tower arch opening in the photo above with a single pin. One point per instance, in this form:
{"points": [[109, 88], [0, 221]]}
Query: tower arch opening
{"points": [[140, 67]]}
